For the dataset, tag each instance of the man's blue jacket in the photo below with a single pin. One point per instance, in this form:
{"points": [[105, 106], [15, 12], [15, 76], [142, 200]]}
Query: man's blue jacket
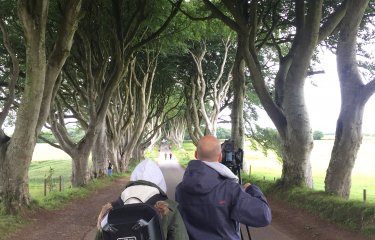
{"points": [[212, 206]]}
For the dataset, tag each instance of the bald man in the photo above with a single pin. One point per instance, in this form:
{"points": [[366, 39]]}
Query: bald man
{"points": [[211, 201]]}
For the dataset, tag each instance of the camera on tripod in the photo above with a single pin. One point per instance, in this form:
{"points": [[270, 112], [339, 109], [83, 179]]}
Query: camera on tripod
{"points": [[234, 161], [231, 158]]}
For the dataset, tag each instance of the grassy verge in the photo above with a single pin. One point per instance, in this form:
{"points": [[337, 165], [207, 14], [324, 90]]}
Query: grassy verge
{"points": [[54, 200], [9, 224], [351, 214]]}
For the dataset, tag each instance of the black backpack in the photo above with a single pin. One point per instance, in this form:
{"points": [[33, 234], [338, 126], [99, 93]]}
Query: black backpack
{"points": [[138, 221]]}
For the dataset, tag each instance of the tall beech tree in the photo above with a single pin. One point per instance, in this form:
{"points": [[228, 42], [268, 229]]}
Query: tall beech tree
{"points": [[354, 95], [207, 86], [142, 74], [104, 58], [163, 107], [120, 116], [288, 109], [41, 74]]}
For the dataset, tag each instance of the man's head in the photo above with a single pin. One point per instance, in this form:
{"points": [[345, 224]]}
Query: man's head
{"points": [[209, 149]]}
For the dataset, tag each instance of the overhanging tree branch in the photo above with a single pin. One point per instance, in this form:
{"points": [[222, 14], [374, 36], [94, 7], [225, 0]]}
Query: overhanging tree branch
{"points": [[14, 76], [154, 35], [332, 21], [218, 14]]}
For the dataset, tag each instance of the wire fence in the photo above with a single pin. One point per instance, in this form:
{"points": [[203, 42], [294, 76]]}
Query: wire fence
{"points": [[53, 184], [368, 197]]}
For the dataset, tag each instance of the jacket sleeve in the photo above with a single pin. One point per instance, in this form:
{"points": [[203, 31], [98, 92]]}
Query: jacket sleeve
{"points": [[99, 235], [250, 207], [176, 228]]}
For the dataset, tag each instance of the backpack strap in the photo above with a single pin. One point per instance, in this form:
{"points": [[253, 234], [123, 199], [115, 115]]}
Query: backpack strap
{"points": [[119, 203], [157, 197], [151, 201]]}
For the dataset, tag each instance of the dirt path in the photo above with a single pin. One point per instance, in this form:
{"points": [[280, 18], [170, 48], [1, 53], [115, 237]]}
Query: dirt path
{"points": [[77, 220], [74, 222]]}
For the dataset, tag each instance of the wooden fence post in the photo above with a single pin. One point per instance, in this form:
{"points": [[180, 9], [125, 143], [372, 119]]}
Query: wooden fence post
{"points": [[364, 197], [45, 187], [60, 183]]}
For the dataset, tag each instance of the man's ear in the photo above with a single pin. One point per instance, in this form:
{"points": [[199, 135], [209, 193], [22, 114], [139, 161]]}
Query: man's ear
{"points": [[220, 157]]}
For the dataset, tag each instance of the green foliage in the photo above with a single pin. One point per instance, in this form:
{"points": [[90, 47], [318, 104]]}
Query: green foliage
{"points": [[266, 139], [47, 135], [318, 135], [184, 154], [75, 134], [183, 31], [152, 154], [223, 133]]}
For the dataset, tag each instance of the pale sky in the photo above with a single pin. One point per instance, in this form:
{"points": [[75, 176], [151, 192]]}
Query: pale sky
{"points": [[323, 101]]}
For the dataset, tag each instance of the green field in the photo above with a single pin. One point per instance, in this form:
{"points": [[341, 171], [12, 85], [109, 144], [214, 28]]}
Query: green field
{"points": [[44, 158], [363, 176]]}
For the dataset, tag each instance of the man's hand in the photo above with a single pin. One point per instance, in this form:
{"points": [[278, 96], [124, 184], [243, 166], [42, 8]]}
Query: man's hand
{"points": [[246, 185]]}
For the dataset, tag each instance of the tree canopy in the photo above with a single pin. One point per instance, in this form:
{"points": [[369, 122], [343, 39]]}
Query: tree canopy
{"points": [[127, 73]]}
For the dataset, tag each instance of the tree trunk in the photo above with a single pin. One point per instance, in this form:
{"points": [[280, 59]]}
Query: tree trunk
{"points": [[79, 152], [14, 177], [100, 153], [155, 139], [296, 170], [354, 95], [113, 154], [139, 151], [348, 139], [80, 174], [239, 87], [130, 145]]}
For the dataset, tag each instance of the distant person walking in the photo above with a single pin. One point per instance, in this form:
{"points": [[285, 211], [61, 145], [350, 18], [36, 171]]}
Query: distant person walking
{"points": [[109, 170], [165, 149]]}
